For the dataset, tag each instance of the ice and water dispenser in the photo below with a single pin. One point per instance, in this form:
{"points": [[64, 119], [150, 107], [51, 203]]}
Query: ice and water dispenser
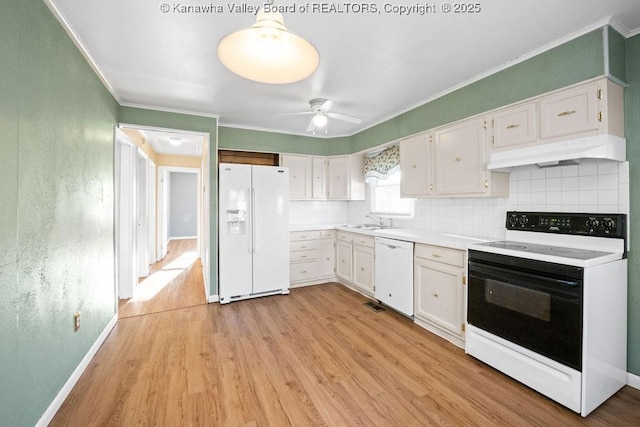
{"points": [[236, 221]]}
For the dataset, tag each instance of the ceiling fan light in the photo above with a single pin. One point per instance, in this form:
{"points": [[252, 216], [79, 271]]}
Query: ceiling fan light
{"points": [[268, 53], [319, 120], [175, 141]]}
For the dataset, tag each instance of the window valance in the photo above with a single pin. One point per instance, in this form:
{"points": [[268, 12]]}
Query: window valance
{"points": [[383, 164]]}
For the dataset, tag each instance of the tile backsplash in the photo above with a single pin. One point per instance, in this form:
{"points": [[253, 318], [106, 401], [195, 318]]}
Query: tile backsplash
{"points": [[591, 186]]}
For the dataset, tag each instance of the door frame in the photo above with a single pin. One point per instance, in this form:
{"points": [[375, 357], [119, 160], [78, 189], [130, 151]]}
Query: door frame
{"points": [[124, 236], [205, 193], [143, 252], [164, 186]]}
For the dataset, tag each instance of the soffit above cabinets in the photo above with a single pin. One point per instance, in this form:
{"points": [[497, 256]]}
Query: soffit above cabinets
{"points": [[372, 65]]}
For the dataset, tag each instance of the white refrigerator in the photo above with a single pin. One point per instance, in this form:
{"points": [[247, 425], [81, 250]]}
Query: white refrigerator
{"points": [[254, 231]]}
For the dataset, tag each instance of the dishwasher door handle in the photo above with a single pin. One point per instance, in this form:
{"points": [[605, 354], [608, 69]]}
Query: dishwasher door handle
{"points": [[389, 246]]}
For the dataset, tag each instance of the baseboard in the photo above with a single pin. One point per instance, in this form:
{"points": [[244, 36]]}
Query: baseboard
{"points": [[214, 298], [183, 238], [633, 380], [75, 376]]}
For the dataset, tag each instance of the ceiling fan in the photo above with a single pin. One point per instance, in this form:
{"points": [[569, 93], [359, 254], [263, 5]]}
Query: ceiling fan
{"points": [[320, 110]]}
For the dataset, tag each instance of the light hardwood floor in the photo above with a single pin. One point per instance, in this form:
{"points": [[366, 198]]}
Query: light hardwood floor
{"points": [[175, 282], [314, 357]]}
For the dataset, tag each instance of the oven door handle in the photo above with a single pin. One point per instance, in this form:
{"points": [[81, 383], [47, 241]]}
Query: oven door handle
{"points": [[501, 272]]}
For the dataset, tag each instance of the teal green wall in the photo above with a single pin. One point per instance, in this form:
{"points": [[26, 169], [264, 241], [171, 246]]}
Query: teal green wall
{"points": [[617, 56], [56, 206], [632, 131], [572, 62], [272, 142], [141, 116]]}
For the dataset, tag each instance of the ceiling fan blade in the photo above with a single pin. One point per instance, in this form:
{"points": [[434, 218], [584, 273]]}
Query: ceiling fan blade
{"points": [[326, 106], [345, 118], [300, 113], [311, 127]]}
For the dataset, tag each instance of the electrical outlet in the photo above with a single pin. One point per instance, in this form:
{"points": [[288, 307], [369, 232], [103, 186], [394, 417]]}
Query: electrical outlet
{"points": [[76, 321]]}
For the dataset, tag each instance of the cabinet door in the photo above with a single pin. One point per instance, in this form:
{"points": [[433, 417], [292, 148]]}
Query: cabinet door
{"points": [[363, 268], [460, 164], [328, 258], [344, 260], [318, 178], [569, 112], [515, 125], [338, 177], [439, 294], [299, 176], [415, 165]]}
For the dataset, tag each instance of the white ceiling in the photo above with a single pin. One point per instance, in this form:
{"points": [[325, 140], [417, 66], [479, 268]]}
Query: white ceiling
{"points": [[372, 66], [190, 144]]}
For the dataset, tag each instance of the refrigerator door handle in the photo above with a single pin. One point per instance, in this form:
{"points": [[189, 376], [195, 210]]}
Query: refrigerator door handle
{"points": [[253, 219], [250, 219]]}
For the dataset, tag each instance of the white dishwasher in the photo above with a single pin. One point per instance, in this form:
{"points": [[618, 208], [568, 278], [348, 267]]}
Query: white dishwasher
{"points": [[394, 274]]}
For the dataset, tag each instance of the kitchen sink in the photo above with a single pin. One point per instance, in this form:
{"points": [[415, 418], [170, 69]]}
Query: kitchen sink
{"points": [[369, 227]]}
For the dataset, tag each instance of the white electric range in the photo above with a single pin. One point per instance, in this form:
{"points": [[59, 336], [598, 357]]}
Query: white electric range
{"points": [[547, 306]]}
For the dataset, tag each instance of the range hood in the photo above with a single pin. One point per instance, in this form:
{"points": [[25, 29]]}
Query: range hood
{"points": [[609, 147]]}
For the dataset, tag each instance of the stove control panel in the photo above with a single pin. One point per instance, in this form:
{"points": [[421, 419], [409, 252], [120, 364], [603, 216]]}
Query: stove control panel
{"points": [[600, 225]]}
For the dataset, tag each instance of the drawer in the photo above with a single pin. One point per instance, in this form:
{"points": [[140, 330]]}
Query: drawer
{"points": [[328, 234], [297, 236], [302, 271], [303, 246], [311, 255], [363, 240], [440, 254], [345, 237]]}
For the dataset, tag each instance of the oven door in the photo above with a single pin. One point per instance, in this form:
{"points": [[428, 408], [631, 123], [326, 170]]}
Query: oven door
{"points": [[528, 303]]}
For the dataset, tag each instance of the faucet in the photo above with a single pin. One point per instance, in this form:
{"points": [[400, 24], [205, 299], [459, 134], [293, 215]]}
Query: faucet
{"points": [[378, 219]]}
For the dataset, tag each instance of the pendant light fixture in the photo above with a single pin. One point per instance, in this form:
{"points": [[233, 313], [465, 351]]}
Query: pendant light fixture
{"points": [[267, 52]]}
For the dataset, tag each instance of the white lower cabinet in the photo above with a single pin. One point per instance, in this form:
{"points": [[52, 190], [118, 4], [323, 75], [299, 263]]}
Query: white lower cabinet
{"points": [[355, 261], [439, 297], [311, 257], [363, 267], [344, 259]]}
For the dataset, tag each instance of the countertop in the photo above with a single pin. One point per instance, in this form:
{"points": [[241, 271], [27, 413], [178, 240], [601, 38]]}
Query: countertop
{"points": [[449, 240]]}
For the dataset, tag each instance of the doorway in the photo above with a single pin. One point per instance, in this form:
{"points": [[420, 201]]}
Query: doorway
{"points": [[142, 243]]}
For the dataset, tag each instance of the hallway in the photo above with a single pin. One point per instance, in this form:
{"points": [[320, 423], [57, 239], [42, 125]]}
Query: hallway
{"points": [[173, 283]]}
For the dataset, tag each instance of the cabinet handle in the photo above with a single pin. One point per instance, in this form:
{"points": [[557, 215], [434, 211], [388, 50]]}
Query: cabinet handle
{"points": [[436, 256], [303, 256], [303, 271], [566, 113], [513, 126], [342, 261], [328, 259], [458, 159], [413, 165], [435, 294], [302, 247], [361, 268]]}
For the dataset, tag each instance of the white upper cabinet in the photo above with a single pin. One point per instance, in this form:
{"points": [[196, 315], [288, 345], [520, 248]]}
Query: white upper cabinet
{"points": [[345, 177], [318, 177], [570, 112], [586, 109], [460, 165], [415, 166], [338, 177], [515, 125], [299, 175]]}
